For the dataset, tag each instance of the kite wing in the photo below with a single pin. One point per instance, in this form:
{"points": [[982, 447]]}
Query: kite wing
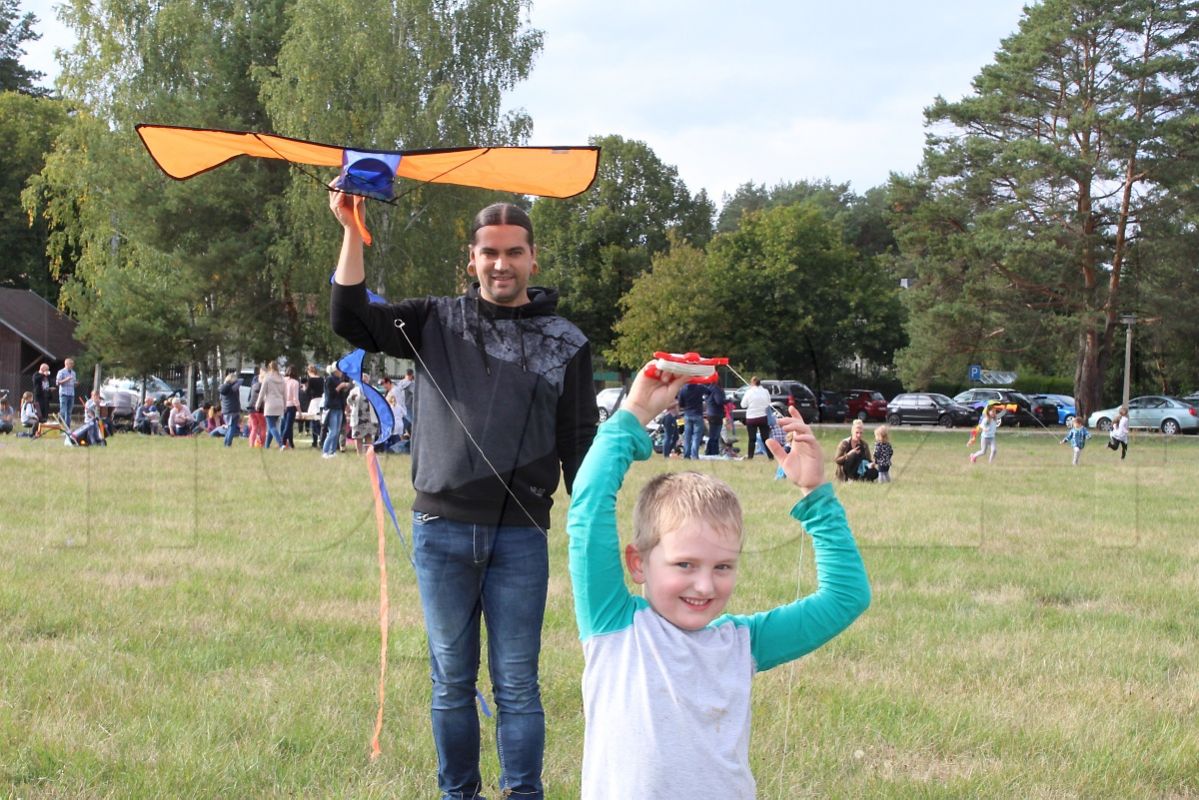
{"points": [[545, 171]]}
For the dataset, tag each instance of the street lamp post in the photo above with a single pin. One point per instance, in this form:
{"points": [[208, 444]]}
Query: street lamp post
{"points": [[1129, 320]]}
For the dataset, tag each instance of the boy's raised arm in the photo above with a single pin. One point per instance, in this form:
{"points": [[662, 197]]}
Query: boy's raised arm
{"points": [[602, 601], [843, 593]]}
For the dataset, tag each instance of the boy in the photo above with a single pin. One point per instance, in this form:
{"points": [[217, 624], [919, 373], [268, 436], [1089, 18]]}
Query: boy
{"points": [[666, 685], [1077, 437]]}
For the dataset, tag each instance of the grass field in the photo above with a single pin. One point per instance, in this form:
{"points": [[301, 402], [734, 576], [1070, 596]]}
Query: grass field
{"points": [[179, 620]]}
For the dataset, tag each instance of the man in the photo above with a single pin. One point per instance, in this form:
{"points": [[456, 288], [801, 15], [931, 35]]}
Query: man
{"points": [[691, 401], [41, 391], [315, 386], [230, 393], [337, 386], [506, 402], [145, 418], [714, 413], [407, 386], [65, 381]]}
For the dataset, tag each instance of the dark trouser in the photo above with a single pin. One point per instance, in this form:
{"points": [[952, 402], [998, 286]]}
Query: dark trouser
{"points": [[287, 427], [1113, 444], [714, 426], [756, 426], [670, 436]]}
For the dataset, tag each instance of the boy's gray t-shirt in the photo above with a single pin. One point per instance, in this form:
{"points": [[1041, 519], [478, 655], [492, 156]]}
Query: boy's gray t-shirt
{"points": [[667, 710], [646, 682]]}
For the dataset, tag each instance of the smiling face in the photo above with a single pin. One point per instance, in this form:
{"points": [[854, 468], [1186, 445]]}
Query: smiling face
{"points": [[503, 260], [689, 574]]}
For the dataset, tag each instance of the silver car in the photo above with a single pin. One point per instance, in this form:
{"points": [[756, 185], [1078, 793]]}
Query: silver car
{"points": [[608, 400], [1169, 415]]}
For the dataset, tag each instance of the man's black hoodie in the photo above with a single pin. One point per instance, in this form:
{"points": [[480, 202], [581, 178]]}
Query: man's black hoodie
{"points": [[512, 382]]}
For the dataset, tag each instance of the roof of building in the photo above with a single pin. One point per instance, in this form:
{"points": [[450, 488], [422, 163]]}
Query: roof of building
{"points": [[27, 314]]}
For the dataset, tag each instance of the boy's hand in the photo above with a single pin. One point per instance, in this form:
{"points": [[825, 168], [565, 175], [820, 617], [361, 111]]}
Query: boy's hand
{"points": [[804, 465], [649, 397]]}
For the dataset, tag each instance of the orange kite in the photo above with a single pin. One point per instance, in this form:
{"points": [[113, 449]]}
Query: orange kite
{"points": [[545, 171]]}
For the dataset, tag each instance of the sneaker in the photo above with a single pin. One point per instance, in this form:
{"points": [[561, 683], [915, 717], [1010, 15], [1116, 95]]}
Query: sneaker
{"points": [[973, 458], [328, 455]]}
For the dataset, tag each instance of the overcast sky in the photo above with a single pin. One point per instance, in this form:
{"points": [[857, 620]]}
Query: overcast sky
{"points": [[769, 91]]}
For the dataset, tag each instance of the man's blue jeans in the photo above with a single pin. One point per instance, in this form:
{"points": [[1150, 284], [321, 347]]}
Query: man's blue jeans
{"points": [[333, 420], [66, 404], [498, 573], [693, 435], [232, 431]]}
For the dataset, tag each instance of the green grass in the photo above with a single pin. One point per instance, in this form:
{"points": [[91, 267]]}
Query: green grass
{"points": [[178, 620]]}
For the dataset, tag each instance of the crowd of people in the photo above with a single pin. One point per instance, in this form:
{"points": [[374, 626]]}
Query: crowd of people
{"points": [[280, 403]]}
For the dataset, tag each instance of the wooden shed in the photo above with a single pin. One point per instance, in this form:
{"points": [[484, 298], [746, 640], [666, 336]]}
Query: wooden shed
{"points": [[31, 331]]}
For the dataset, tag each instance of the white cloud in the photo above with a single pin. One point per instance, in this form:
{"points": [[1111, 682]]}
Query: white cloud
{"points": [[776, 91]]}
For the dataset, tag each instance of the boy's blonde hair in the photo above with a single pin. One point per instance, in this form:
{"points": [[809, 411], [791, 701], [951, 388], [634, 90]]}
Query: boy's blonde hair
{"points": [[882, 434], [673, 498]]}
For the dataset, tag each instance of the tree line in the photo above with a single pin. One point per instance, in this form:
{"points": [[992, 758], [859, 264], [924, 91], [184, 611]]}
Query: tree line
{"points": [[1052, 201]]}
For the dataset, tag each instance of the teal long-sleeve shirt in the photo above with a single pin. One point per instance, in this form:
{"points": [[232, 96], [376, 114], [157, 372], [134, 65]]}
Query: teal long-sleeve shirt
{"points": [[672, 706]]}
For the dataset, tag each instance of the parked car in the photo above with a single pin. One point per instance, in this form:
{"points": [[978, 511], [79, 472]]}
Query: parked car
{"points": [[782, 394], [1169, 415], [866, 404], [156, 387], [929, 408], [1028, 412], [608, 400], [833, 407], [1066, 408]]}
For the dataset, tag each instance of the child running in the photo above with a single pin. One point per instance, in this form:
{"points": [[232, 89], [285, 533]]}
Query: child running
{"points": [[1077, 437], [1119, 433], [988, 424], [667, 675], [883, 453]]}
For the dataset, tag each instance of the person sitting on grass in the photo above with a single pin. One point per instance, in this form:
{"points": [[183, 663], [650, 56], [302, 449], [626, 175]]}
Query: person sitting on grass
{"points": [[7, 415], [145, 417], [179, 422], [853, 459], [667, 676], [30, 417], [91, 432]]}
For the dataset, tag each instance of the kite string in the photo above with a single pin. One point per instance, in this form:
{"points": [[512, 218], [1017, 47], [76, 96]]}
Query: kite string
{"points": [[372, 468]]}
